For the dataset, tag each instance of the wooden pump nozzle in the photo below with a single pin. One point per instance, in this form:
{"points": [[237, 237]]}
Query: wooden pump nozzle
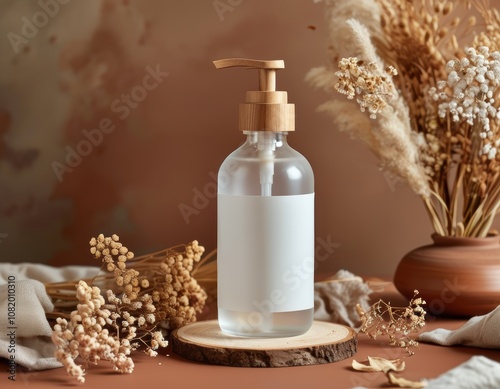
{"points": [[265, 109]]}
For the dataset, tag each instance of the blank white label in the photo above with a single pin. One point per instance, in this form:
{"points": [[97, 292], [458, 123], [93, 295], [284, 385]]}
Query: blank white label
{"points": [[265, 253]]}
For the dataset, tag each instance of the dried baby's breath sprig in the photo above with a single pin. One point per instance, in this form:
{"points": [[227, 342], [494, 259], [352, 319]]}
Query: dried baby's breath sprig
{"points": [[470, 92], [398, 323], [145, 298], [372, 87], [94, 332], [167, 293]]}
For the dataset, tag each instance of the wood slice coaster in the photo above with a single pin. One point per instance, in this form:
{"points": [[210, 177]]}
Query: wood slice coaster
{"points": [[323, 343]]}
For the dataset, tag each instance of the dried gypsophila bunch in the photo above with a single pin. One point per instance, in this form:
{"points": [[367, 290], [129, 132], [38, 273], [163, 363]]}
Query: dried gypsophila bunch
{"points": [[398, 323], [168, 293], [470, 94], [144, 302], [366, 82], [204, 271], [94, 332]]}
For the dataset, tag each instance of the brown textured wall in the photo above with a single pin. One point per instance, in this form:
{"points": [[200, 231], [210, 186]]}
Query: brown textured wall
{"points": [[155, 152]]}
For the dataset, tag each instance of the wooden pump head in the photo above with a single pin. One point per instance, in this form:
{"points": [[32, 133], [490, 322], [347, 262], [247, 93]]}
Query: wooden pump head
{"points": [[266, 109]]}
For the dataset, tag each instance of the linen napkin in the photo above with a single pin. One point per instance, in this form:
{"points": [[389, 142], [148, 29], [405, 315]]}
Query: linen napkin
{"points": [[335, 299], [480, 331], [478, 372], [27, 332]]}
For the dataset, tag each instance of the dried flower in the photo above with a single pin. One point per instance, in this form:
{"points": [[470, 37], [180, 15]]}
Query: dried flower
{"points": [[398, 323], [367, 82], [469, 94], [83, 336], [146, 299]]}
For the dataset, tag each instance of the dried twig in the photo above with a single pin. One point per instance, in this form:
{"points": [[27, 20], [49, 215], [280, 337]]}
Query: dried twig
{"points": [[398, 323]]}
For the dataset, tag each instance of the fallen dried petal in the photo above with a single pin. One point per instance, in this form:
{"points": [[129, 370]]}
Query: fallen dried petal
{"points": [[386, 365], [404, 383], [376, 364], [362, 367]]}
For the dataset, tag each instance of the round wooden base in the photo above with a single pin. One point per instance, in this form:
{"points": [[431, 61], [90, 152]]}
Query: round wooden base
{"points": [[323, 343]]}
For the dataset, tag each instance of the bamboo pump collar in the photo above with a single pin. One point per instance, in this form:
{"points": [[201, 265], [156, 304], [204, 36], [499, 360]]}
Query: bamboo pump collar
{"points": [[266, 109]]}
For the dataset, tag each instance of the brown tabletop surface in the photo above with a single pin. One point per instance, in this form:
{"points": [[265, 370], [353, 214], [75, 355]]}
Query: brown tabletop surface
{"points": [[168, 370]]}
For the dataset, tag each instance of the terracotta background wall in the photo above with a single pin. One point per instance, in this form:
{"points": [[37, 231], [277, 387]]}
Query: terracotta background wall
{"points": [[157, 153]]}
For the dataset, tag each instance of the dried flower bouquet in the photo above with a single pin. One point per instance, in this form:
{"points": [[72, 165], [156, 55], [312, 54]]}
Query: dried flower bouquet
{"points": [[431, 107], [132, 306]]}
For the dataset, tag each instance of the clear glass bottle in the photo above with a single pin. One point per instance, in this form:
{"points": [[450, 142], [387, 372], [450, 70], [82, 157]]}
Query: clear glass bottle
{"points": [[265, 219], [240, 175]]}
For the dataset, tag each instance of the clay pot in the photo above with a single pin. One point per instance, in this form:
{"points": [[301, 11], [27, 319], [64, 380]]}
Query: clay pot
{"points": [[456, 276]]}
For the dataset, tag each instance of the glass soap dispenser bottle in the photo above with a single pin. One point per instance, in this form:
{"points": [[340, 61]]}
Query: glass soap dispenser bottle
{"points": [[265, 219]]}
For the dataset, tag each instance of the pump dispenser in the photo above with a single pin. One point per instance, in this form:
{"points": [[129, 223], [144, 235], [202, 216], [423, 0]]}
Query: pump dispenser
{"points": [[265, 218]]}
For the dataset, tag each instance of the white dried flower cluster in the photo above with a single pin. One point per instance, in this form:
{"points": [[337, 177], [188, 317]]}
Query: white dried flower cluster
{"points": [[372, 86], [110, 326], [85, 336], [179, 295], [398, 323], [114, 257], [470, 93]]}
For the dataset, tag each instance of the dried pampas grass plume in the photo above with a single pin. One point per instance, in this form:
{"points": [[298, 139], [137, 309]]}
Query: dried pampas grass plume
{"points": [[390, 137]]}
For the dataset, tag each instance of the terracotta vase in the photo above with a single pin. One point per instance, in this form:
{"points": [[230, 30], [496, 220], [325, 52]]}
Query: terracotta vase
{"points": [[456, 276]]}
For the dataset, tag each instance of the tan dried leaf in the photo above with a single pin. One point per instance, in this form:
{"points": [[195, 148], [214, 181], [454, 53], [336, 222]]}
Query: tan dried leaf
{"points": [[377, 364], [386, 365], [362, 367], [404, 383]]}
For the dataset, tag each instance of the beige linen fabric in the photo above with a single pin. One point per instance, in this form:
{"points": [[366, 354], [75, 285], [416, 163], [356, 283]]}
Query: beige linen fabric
{"points": [[28, 334], [480, 331]]}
